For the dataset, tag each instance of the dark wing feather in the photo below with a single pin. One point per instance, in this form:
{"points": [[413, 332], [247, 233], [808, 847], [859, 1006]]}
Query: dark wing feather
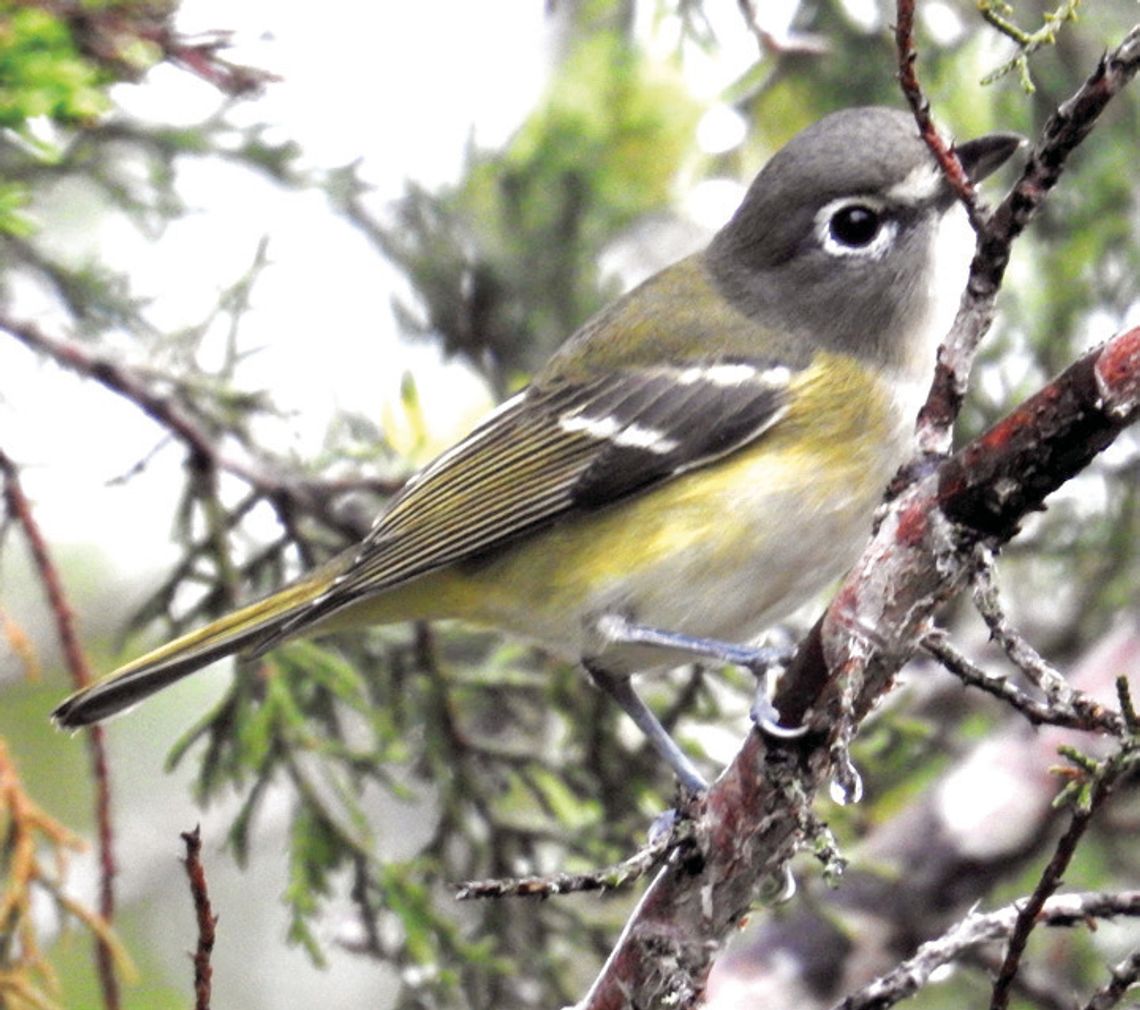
{"points": [[696, 423], [554, 450]]}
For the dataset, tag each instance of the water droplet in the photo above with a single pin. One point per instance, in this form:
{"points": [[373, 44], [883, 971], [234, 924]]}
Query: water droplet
{"points": [[847, 786]]}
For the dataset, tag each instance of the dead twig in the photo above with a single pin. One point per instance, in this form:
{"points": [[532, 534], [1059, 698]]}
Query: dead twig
{"points": [[204, 914]]}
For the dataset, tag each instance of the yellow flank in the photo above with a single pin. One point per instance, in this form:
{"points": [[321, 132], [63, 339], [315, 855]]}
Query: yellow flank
{"points": [[719, 551]]}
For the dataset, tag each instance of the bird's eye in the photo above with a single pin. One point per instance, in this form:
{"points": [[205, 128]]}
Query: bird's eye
{"points": [[855, 225]]}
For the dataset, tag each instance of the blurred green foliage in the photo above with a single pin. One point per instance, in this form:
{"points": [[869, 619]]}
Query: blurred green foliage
{"points": [[42, 72], [53, 78], [42, 75]]}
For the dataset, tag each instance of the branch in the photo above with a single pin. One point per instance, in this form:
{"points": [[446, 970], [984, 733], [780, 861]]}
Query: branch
{"points": [[288, 496], [980, 928], [111, 36], [1124, 977], [924, 547], [204, 913], [20, 509], [772, 45], [1064, 131], [943, 152], [609, 878], [950, 851], [1027, 42], [1027, 659], [1102, 779], [1076, 711]]}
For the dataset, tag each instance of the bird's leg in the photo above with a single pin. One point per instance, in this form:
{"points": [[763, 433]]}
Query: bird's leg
{"points": [[618, 687], [619, 630], [616, 630]]}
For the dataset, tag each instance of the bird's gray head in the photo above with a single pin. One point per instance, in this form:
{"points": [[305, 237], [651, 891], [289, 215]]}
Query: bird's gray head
{"points": [[851, 239]]}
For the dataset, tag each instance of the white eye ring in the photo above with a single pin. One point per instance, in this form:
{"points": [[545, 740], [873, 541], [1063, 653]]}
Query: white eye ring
{"points": [[875, 249]]}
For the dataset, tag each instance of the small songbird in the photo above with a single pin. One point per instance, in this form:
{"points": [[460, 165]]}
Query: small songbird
{"points": [[693, 464]]}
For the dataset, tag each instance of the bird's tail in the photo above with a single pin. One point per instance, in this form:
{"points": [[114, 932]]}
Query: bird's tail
{"points": [[245, 628]]}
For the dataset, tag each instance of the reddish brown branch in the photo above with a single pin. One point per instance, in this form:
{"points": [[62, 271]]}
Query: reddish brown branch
{"points": [[1029, 910], [1064, 131], [947, 869], [1062, 134], [204, 913], [20, 509], [920, 106], [201, 57], [111, 36]]}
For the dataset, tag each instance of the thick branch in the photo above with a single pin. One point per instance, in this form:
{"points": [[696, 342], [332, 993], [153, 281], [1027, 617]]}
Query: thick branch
{"points": [[950, 851]]}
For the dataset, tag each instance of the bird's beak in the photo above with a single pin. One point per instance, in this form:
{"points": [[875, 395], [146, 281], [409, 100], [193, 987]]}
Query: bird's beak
{"points": [[987, 154]]}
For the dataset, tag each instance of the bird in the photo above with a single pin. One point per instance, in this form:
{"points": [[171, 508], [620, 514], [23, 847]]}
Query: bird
{"points": [[692, 465]]}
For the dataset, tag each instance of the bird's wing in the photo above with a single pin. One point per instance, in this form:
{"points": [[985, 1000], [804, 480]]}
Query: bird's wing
{"points": [[553, 450]]}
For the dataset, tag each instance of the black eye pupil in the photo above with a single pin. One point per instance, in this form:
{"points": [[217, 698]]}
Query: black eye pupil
{"points": [[855, 226]]}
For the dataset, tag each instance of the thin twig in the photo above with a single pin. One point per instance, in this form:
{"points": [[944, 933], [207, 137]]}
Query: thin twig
{"points": [[112, 35], [288, 496], [1029, 910], [1064, 131], [1039, 992], [912, 90], [204, 913], [1027, 42], [20, 509], [980, 928], [771, 45], [606, 879], [1104, 776], [1027, 659], [1124, 976], [1079, 712]]}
